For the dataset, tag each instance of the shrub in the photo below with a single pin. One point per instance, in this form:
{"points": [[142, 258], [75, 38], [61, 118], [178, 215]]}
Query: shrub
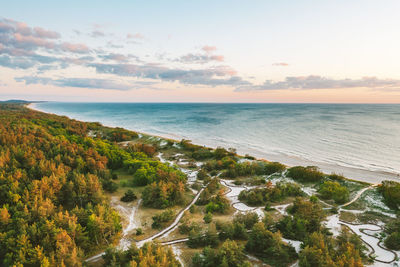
{"points": [[273, 167], [269, 246], [248, 219], [247, 156], [333, 190], [185, 228], [139, 231], [160, 219], [306, 218], [393, 231], [202, 153], [120, 134], [198, 238], [305, 174], [219, 204], [390, 191], [202, 174], [337, 177], [320, 249], [220, 153], [208, 218], [109, 185], [151, 254], [230, 254], [269, 193], [128, 196]]}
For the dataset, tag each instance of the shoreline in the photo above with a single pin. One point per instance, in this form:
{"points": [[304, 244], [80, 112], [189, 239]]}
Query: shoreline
{"points": [[362, 175]]}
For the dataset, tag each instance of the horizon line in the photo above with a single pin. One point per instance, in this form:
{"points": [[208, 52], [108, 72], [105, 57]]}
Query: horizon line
{"points": [[192, 102]]}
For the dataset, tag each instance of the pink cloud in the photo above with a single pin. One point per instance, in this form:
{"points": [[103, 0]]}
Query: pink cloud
{"points": [[29, 41], [135, 36], [23, 28], [219, 58], [209, 49], [76, 48], [40, 32]]}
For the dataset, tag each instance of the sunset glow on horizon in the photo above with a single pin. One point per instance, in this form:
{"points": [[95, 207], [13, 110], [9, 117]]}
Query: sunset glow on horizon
{"points": [[175, 51]]}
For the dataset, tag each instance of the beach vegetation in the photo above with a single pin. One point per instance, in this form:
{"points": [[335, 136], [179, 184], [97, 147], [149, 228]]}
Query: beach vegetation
{"points": [[161, 219], [238, 169], [218, 204], [202, 154], [200, 238], [229, 254], [304, 218], [269, 246], [323, 250], [147, 149], [260, 196], [390, 191], [186, 226], [333, 190], [119, 134], [305, 174], [392, 230]]}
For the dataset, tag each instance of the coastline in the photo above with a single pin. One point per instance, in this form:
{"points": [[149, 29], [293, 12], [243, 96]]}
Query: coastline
{"points": [[362, 175]]}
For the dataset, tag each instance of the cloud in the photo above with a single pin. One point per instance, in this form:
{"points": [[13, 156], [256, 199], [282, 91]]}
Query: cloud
{"points": [[82, 60], [97, 33], [200, 58], [42, 33], [16, 63], [222, 75], [112, 45], [29, 42], [135, 36], [209, 49], [19, 39], [15, 34], [280, 64], [20, 46], [90, 83], [24, 47], [319, 82], [76, 48], [12, 26]]}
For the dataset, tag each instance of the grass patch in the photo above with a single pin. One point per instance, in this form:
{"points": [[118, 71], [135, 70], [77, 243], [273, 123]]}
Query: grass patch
{"points": [[348, 217], [373, 217]]}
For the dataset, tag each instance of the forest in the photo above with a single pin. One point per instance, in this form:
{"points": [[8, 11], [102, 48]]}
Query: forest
{"points": [[54, 173]]}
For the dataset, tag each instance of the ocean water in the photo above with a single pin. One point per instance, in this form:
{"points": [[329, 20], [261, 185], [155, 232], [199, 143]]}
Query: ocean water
{"points": [[361, 137]]}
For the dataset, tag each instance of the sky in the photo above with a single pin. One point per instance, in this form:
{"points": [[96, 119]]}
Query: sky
{"points": [[201, 51]]}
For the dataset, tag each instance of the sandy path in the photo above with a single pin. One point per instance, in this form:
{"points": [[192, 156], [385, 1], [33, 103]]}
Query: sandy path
{"points": [[172, 225], [164, 232], [358, 195]]}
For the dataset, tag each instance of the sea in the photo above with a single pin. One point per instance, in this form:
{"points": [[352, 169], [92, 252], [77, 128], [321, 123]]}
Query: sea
{"points": [[361, 141]]}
